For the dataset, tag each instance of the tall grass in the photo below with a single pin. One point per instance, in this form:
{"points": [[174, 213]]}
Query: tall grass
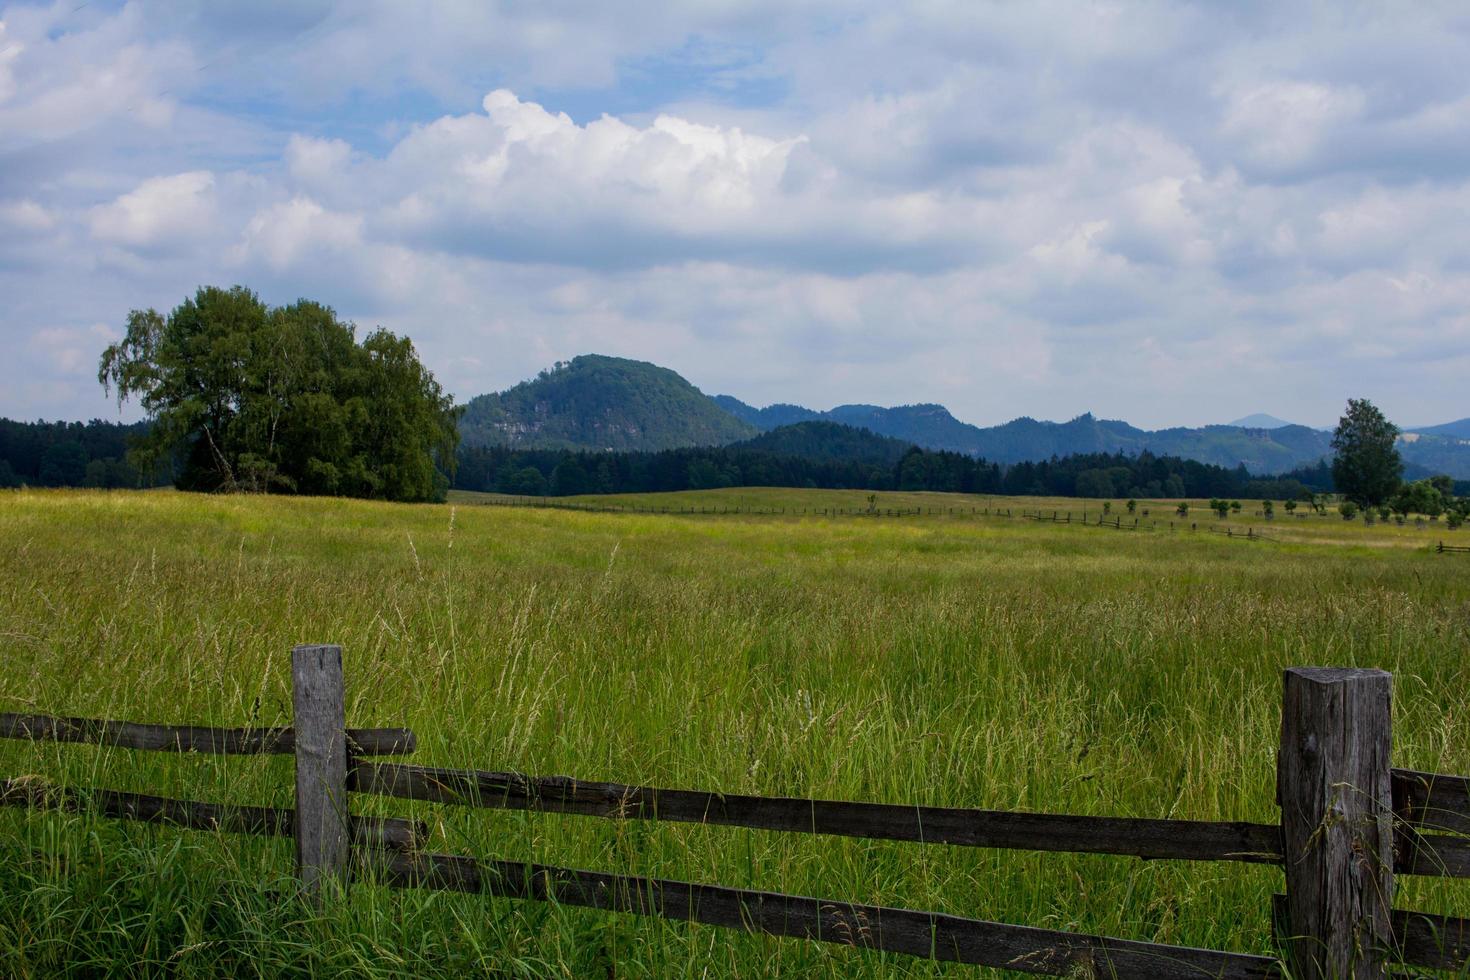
{"points": [[945, 660]]}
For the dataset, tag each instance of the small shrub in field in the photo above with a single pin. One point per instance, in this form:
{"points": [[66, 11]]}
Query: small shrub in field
{"points": [[1183, 509], [1348, 510], [1132, 506]]}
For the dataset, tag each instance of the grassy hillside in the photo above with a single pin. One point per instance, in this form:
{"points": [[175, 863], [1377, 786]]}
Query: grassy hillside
{"points": [[597, 402], [940, 660]]}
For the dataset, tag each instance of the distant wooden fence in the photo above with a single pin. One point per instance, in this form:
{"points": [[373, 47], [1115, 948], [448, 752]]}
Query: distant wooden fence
{"points": [[1448, 549], [1349, 824], [1085, 518]]}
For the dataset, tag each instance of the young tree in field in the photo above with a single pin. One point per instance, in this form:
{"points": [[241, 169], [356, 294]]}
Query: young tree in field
{"points": [[1268, 509], [1419, 497], [1348, 510], [1366, 467], [1183, 509], [1132, 506], [285, 399], [1290, 506]]}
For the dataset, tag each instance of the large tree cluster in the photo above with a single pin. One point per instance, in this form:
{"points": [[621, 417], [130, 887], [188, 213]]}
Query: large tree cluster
{"points": [[245, 396]]}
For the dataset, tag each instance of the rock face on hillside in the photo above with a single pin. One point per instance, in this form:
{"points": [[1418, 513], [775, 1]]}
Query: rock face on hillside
{"points": [[597, 402]]}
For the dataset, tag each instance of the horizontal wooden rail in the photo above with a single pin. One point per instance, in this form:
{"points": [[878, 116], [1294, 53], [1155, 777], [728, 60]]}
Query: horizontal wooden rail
{"points": [[1435, 942], [1432, 801], [1422, 939], [925, 934], [1162, 839], [1439, 855], [192, 738], [381, 832]]}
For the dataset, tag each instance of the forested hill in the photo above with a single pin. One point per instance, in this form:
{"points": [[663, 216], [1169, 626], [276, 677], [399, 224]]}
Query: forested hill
{"points": [[609, 403], [827, 455], [1439, 449], [828, 441], [1030, 440], [601, 403]]}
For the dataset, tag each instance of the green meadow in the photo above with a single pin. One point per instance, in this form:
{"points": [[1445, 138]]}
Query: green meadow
{"points": [[943, 659]]}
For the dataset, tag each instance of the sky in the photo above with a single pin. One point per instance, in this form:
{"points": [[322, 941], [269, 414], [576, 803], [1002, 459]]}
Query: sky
{"points": [[1169, 213]]}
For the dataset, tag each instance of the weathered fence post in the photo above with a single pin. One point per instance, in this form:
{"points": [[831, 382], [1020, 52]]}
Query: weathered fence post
{"points": [[1333, 784], [320, 726]]}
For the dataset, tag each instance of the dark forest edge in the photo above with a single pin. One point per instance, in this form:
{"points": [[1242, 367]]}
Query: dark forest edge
{"points": [[95, 454], [560, 473]]}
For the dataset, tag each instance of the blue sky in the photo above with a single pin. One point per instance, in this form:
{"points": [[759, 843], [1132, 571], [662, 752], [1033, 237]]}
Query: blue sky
{"points": [[1171, 213]]}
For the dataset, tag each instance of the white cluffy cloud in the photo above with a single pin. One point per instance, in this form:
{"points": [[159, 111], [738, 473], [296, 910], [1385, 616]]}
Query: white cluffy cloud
{"points": [[162, 211]]}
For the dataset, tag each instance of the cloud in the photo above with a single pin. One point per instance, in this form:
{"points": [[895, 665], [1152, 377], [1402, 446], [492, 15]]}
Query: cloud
{"points": [[25, 216], [298, 229], [162, 211], [1041, 209], [1281, 126]]}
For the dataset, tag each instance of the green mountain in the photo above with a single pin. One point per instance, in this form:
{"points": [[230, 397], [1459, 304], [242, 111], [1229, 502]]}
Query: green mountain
{"points": [[597, 402], [609, 403], [1259, 420], [770, 417], [828, 442], [1261, 450], [1459, 429]]}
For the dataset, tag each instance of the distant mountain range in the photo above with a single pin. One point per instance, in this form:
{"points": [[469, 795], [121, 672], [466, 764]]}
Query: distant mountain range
{"points": [[598, 402], [1452, 430], [1260, 420]]}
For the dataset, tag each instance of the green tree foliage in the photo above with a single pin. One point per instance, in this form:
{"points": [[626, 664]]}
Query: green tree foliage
{"points": [[1366, 468], [1421, 497], [824, 454], [69, 454], [283, 399]]}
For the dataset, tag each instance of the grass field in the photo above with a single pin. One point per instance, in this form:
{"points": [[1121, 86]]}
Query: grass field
{"points": [[948, 660]]}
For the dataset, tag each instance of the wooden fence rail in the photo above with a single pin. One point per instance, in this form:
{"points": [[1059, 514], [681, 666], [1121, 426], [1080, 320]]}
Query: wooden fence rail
{"points": [[1349, 823], [392, 833], [930, 935], [192, 738], [1187, 840]]}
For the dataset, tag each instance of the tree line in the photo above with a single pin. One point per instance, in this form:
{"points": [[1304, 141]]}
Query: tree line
{"points": [[558, 473], [73, 454]]}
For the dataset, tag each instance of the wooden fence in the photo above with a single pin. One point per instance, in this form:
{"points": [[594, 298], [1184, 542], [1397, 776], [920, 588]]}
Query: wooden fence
{"points": [[1349, 824], [1449, 549], [1107, 519]]}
